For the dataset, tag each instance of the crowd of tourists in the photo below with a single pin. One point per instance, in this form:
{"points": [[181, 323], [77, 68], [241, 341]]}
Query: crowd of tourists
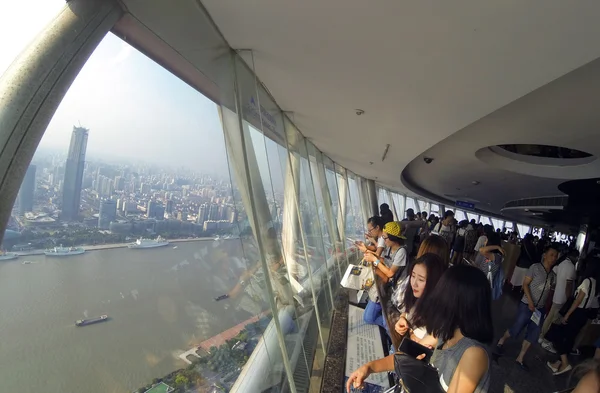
{"points": [[444, 276]]}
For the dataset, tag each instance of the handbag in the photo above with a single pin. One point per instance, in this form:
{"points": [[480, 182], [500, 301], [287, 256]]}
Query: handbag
{"points": [[415, 376]]}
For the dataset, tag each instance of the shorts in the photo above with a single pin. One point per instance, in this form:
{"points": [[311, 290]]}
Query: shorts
{"points": [[524, 321]]}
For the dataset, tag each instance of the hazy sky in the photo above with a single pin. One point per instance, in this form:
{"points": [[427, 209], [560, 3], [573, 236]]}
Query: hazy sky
{"points": [[132, 106]]}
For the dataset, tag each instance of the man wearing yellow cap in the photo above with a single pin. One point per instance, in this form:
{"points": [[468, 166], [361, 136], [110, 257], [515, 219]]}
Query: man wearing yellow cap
{"points": [[388, 266]]}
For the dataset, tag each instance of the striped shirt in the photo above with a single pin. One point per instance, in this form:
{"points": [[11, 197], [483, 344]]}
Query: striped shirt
{"points": [[541, 284]]}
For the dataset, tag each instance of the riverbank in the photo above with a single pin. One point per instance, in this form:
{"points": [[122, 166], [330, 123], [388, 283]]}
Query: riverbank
{"points": [[221, 358], [119, 245]]}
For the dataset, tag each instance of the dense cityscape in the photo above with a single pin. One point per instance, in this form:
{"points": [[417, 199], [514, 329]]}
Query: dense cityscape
{"points": [[69, 201], [73, 201]]}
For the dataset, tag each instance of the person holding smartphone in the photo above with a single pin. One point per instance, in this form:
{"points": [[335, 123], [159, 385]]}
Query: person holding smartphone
{"points": [[458, 312], [374, 235], [387, 267]]}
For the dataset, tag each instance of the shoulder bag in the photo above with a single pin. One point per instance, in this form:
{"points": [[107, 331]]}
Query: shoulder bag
{"points": [[415, 376]]}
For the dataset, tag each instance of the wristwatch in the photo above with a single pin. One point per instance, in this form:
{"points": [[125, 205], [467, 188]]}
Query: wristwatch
{"points": [[376, 263]]}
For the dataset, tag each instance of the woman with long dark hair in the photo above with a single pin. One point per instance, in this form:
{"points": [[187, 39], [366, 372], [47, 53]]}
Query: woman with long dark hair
{"points": [[433, 244], [424, 275], [457, 312]]}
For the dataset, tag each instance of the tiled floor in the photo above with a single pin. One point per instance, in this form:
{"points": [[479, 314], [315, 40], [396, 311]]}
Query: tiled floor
{"points": [[506, 375]]}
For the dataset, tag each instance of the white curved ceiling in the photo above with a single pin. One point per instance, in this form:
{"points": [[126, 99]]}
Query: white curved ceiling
{"points": [[421, 71]]}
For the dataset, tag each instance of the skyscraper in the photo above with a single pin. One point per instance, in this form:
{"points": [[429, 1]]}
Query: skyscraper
{"points": [[26, 191], [107, 214], [202, 214], [74, 174]]}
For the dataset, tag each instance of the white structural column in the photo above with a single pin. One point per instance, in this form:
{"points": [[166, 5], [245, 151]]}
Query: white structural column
{"points": [[372, 203], [331, 228], [291, 223], [33, 87]]}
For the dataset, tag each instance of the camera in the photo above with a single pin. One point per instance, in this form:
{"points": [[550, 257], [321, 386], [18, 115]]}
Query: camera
{"points": [[428, 160]]}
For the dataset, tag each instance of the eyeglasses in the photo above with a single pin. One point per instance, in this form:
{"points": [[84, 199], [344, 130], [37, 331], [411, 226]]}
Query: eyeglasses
{"points": [[385, 237], [369, 229]]}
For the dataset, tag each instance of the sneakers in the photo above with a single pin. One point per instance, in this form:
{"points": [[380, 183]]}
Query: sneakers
{"points": [[555, 370], [548, 347], [566, 370], [551, 367]]}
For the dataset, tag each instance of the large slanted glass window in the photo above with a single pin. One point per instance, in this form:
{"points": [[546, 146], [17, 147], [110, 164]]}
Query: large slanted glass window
{"points": [[352, 213], [338, 217], [459, 215], [398, 205], [19, 26], [411, 204], [311, 252], [382, 196], [285, 169], [135, 209], [523, 229], [498, 224], [472, 216]]}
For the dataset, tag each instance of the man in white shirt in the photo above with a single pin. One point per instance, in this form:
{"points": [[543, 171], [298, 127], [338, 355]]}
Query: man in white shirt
{"points": [[565, 276]]}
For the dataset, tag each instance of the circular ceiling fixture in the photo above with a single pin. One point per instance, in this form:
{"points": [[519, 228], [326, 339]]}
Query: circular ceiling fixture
{"points": [[556, 152], [555, 162]]}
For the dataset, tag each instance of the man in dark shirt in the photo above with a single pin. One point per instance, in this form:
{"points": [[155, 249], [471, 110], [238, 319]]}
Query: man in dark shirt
{"points": [[537, 285]]}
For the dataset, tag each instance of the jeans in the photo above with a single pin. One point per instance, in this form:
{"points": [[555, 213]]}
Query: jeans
{"points": [[374, 315], [524, 321]]}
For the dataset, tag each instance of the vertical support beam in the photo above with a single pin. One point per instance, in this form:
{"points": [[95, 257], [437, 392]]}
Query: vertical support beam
{"points": [[343, 195], [35, 84], [365, 200], [291, 222], [372, 195], [328, 203]]}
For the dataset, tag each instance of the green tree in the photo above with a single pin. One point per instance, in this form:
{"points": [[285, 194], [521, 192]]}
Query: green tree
{"points": [[181, 380]]}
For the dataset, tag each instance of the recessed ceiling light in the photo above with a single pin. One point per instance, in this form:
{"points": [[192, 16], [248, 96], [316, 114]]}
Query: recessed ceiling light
{"points": [[476, 183], [359, 112]]}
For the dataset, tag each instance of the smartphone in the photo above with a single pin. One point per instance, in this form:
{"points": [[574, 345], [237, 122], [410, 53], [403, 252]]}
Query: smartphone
{"points": [[415, 349]]}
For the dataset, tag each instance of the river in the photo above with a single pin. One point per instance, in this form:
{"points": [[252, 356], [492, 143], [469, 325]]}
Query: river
{"points": [[160, 302]]}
